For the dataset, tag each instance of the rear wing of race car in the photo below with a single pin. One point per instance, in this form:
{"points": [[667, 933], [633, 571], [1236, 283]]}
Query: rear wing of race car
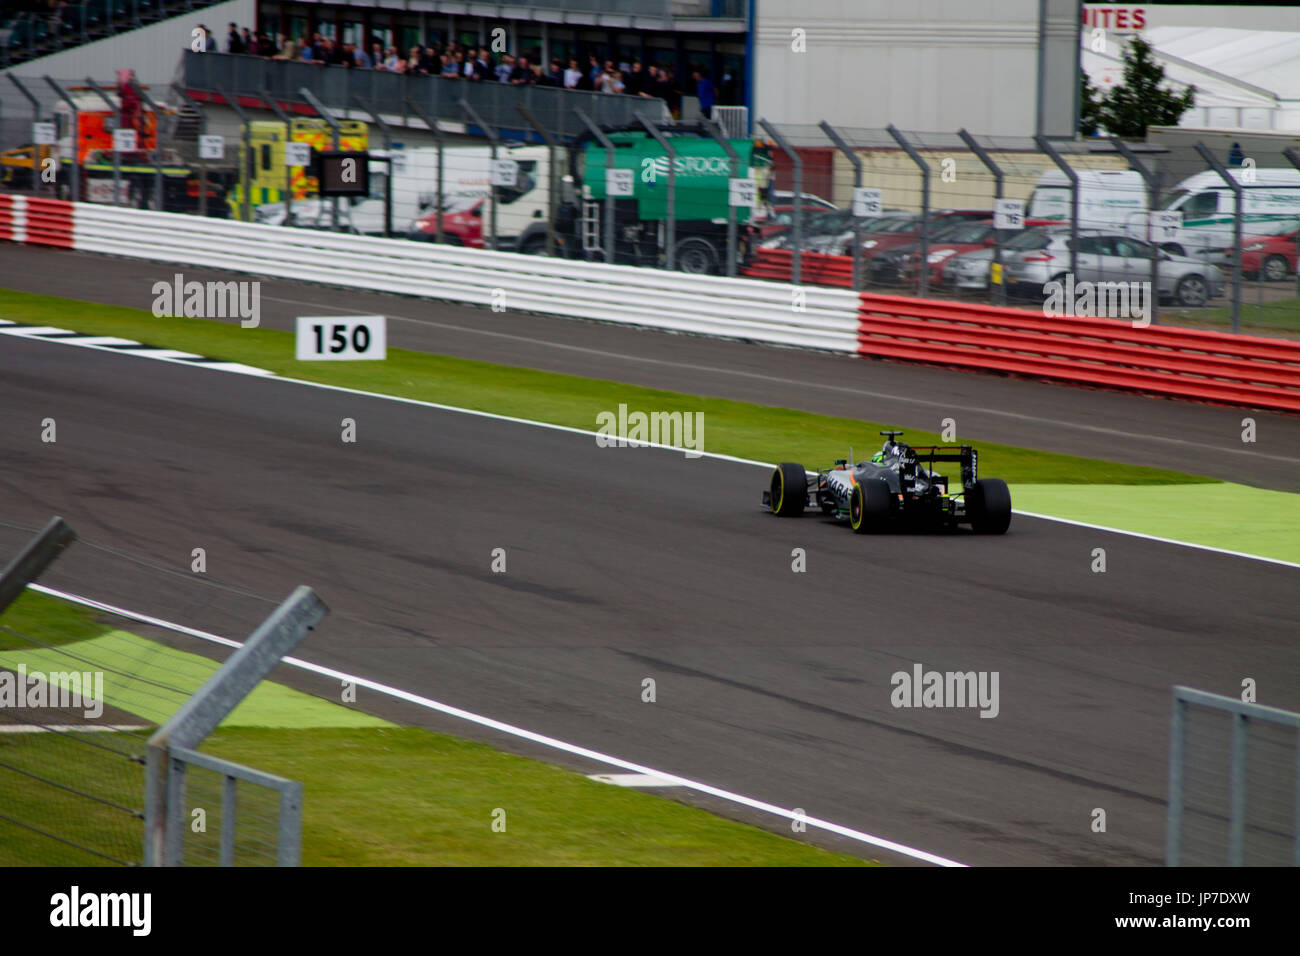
{"points": [[965, 454]]}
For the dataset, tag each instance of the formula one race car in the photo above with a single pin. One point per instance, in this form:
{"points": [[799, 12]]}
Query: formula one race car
{"points": [[893, 490]]}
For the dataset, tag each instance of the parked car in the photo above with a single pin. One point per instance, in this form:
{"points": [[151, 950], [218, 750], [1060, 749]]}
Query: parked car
{"points": [[1109, 257], [970, 270], [965, 237], [1273, 254], [782, 218], [908, 231]]}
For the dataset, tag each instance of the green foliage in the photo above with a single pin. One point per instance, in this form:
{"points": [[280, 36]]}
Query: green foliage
{"points": [[1140, 101]]}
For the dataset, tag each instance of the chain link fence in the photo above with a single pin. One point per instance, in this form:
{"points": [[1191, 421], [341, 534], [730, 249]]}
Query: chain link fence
{"points": [[997, 220], [97, 735], [1234, 783]]}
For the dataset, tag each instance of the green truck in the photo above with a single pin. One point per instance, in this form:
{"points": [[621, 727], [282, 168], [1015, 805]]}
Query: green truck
{"points": [[702, 191]]}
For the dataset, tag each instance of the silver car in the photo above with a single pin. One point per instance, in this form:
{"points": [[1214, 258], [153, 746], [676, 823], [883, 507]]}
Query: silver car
{"points": [[1041, 257]]}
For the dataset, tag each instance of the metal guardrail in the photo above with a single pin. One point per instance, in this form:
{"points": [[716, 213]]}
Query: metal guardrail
{"points": [[441, 97]]}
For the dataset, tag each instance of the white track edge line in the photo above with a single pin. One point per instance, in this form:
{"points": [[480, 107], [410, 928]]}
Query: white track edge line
{"points": [[638, 443], [520, 732]]}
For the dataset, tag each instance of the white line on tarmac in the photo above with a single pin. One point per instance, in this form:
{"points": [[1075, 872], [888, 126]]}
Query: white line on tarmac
{"points": [[668, 779]]}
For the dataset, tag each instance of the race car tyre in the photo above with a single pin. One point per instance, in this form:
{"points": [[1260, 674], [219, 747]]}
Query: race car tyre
{"points": [[789, 489], [1275, 268], [868, 506], [1192, 291], [989, 506]]}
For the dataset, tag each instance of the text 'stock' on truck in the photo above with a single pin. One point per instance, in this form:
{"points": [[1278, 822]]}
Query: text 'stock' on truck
{"points": [[702, 171]]}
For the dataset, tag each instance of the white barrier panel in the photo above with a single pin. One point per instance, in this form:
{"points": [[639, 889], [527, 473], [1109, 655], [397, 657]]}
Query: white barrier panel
{"points": [[706, 305]]}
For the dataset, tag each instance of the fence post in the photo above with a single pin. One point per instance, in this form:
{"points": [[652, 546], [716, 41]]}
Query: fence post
{"points": [[1154, 181], [925, 203], [552, 181], [1293, 157], [1073, 177], [35, 557], [275, 637], [76, 137], [438, 139], [715, 131], [998, 179], [1240, 210], [284, 118], [244, 173], [670, 223], [323, 112], [796, 226], [1177, 759], [833, 135], [494, 139], [605, 141]]}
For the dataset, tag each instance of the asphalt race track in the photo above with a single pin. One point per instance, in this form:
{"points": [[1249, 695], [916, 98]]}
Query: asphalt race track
{"points": [[1200, 439], [630, 563]]}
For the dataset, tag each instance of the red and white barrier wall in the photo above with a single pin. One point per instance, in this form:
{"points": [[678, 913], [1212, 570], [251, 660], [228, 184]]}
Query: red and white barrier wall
{"points": [[1208, 366]]}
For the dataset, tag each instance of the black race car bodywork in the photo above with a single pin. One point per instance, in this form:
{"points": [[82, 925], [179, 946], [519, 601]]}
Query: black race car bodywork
{"points": [[899, 486]]}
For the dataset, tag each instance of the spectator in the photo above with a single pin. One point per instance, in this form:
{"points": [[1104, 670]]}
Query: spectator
{"points": [[554, 76], [593, 69], [634, 81], [483, 65], [250, 42], [266, 47], [704, 90], [650, 85], [449, 67], [572, 75], [522, 74], [376, 54], [671, 93], [505, 68], [610, 81], [233, 43], [289, 51], [391, 60]]}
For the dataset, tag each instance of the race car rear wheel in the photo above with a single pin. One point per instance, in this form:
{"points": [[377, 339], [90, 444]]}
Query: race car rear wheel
{"points": [[868, 506], [789, 489], [989, 506]]}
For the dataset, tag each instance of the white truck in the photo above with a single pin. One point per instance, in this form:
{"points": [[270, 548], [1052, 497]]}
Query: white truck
{"points": [[466, 185], [1117, 199]]}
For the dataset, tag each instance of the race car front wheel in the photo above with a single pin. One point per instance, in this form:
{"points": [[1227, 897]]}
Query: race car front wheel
{"points": [[868, 506], [989, 506], [789, 489]]}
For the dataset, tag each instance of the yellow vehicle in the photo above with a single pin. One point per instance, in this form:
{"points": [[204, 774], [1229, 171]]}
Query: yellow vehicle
{"points": [[264, 175]]}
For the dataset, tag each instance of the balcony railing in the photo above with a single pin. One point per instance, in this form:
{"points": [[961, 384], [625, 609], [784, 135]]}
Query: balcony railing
{"points": [[383, 92]]}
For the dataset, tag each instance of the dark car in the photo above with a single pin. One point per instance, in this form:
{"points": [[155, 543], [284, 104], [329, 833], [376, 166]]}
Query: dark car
{"points": [[894, 489]]}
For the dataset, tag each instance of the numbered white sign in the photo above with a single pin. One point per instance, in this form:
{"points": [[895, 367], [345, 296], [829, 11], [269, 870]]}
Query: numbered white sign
{"points": [[341, 338], [43, 134], [505, 172], [212, 147], [1165, 225], [742, 191], [297, 154], [868, 202], [124, 141], [620, 182], [1008, 214]]}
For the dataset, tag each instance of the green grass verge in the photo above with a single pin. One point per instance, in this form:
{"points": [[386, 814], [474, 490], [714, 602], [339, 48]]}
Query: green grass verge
{"points": [[375, 794], [48, 620], [1235, 517], [1282, 315], [733, 428]]}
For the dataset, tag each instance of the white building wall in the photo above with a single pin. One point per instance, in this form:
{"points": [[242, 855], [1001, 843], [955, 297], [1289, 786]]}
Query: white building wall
{"points": [[928, 65]]}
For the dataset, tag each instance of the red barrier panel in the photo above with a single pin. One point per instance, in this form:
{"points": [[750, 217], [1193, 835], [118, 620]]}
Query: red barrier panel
{"points": [[1187, 363], [11, 218], [49, 223], [816, 268]]}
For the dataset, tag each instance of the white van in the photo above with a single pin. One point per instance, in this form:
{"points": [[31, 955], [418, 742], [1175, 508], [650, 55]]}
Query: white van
{"points": [[1108, 198], [1208, 207]]}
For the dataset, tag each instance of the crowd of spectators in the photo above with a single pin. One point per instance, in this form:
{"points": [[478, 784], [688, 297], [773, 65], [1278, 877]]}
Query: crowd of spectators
{"points": [[478, 64]]}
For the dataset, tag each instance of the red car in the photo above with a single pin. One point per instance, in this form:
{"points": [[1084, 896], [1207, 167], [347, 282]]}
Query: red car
{"points": [[460, 227], [909, 231], [1274, 255], [966, 237]]}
